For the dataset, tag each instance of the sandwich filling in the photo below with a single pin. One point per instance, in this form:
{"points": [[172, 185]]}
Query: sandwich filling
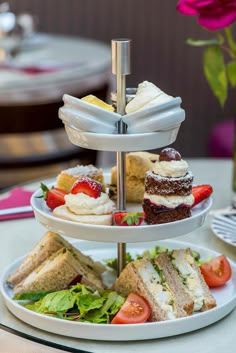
{"points": [[155, 282], [183, 262]]}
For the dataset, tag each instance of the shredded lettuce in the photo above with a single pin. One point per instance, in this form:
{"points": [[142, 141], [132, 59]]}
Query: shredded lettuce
{"points": [[151, 254]]}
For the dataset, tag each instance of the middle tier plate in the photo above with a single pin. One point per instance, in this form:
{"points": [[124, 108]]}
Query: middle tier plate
{"points": [[119, 234]]}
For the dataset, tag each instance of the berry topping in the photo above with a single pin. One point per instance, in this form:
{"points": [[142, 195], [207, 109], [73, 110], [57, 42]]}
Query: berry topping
{"points": [[87, 186], [128, 218], [169, 154]]}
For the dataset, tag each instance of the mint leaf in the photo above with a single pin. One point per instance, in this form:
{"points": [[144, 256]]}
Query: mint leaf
{"points": [[215, 73]]}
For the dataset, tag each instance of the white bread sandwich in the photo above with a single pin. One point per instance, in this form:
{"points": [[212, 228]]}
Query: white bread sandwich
{"points": [[57, 272], [49, 244], [194, 283], [159, 284]]}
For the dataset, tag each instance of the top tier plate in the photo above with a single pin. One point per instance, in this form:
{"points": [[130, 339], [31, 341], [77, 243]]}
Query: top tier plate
{"points": [[119, 143], [90, 126]]}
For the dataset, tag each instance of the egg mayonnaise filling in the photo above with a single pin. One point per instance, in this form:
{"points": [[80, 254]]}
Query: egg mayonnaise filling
{"points": [[155, 282], [183, 261]]}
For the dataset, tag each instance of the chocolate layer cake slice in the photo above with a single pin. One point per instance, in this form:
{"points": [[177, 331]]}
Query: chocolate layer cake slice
{"points": [[168, 189]]}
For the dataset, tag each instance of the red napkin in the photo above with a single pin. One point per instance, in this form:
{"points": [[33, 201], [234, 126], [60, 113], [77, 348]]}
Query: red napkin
{"points": [[17, 197]]}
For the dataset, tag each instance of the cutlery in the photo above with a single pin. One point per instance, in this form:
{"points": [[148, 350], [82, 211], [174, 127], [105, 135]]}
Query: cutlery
{"points": [[15, 210]]}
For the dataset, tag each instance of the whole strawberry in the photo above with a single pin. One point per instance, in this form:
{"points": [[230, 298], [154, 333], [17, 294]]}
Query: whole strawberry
{"points": [[54, 197], [128, 218]]}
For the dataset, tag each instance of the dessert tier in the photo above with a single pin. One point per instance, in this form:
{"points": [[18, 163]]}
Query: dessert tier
{"points": [[118, 234], [92, 118], [225, 297]]}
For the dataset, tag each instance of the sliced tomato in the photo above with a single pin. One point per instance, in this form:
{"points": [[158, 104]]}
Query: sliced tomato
{"points": [[217, 271], [135, 310]]}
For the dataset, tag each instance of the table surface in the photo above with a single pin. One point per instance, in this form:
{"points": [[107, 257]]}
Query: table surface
{"points": [[80, 63], [19, 236]]}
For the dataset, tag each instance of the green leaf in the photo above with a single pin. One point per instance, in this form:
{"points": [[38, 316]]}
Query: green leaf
{"points": [[215, 73], [132, 218], [57, 301], [30, 296], [231, 72], [87, 302], [201, 43]]}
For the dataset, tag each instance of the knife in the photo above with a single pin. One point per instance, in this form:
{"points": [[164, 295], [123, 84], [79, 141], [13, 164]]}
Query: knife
{"points": [[15, 210]]}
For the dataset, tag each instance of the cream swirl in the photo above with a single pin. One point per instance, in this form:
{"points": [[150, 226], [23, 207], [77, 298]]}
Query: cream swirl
{"points": [[82, 204], [147, 96], [171, 168], [170, 201]]}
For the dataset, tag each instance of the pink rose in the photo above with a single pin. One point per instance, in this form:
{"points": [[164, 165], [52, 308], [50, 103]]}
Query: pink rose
{"points": [[212, 14]]}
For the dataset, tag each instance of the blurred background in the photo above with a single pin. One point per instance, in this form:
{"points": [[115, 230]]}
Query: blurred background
{"points": [[159, 54]]}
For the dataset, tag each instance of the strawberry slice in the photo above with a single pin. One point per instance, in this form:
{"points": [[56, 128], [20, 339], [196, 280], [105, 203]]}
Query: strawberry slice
{"points": [[128, 218], [200, 193], [54, 197], [87, 186]]}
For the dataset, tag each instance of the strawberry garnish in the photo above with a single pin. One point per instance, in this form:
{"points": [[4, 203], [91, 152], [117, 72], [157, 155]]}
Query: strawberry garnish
{"points": [[54, 197], [201, 192], [128, 218], [87, 186]]}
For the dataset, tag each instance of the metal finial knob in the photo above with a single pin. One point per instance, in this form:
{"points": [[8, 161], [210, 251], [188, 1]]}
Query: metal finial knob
{"points": [[121, 49]]}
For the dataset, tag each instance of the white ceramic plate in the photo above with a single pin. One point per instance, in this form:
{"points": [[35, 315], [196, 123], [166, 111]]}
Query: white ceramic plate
{"points": [[224, 227], [125, 142], [86, 116], [117, 234], [162, 116], [91, 118], [225, 297]]}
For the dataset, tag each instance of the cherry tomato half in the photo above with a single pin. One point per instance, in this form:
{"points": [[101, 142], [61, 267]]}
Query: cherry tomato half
{"points": [[135, 310], [216, 272]]}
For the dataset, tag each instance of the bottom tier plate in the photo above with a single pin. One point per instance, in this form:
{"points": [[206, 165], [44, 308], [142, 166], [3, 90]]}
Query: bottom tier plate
{"points": [[225, 297]]}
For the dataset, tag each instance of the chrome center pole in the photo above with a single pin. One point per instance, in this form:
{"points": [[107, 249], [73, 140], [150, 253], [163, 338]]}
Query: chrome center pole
{"points": [[121, 68]]}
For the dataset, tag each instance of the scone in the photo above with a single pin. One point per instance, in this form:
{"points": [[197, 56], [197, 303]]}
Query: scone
{"points": [[86, 203], [68, 177], [137, 164], [168, 189]]}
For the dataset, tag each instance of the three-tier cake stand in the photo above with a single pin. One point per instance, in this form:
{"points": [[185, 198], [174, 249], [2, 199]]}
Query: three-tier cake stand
{"points": [[94, 128]]}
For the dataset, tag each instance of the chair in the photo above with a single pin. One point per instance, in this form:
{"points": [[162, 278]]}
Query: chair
{"points": [[33, 142]]}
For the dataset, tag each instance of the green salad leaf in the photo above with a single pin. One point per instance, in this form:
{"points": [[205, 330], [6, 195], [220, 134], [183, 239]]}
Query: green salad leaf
{"points": [[78, 303]]}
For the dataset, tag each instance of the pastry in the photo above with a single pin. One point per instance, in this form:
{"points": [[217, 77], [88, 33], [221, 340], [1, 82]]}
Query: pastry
{"points": [[137, 163], [168, 189], [86, 203], [68, 177]]}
